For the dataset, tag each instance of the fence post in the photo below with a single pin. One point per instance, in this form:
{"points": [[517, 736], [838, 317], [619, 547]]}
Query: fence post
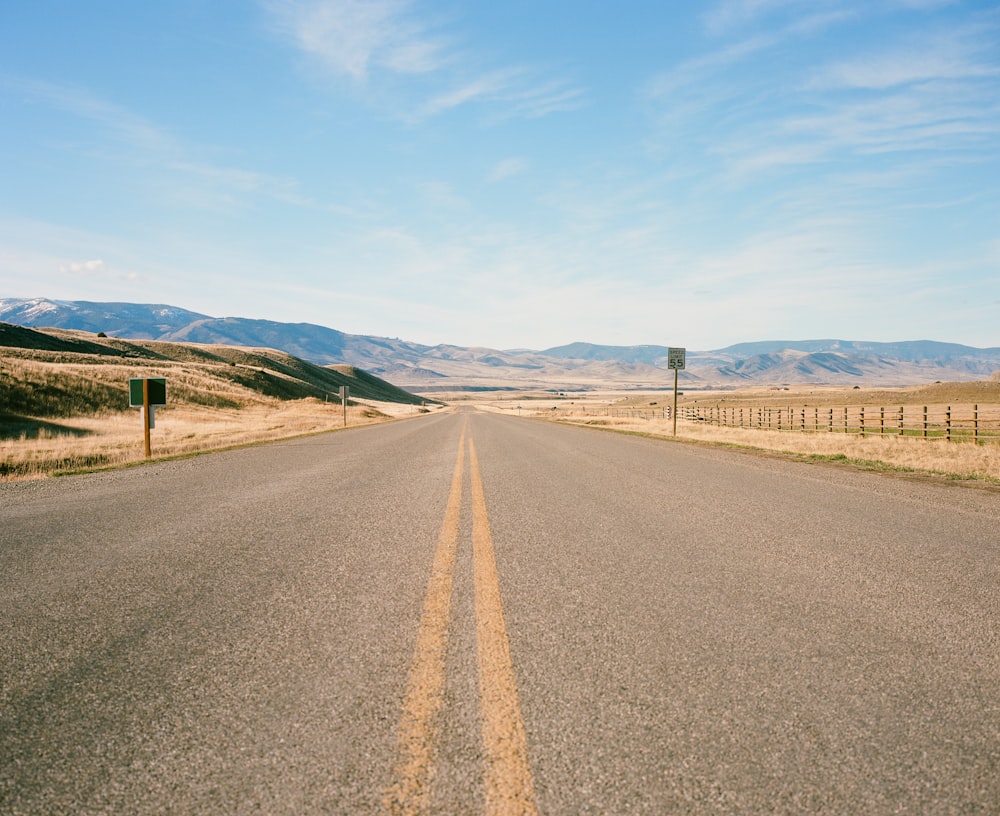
{"points": [[900, 420], [947, 424], [830, 428], [881, 421], [845, 420], [975, 423], [925, 422], [861, 418]]}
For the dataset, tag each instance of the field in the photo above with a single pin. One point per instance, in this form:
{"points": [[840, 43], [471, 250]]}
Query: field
{"points": [[714, 418], [64, 407], [64, 400]]}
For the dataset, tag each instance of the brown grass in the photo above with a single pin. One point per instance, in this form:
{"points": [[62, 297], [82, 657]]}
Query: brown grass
{"points": [[115, 440], [64, 400], [963, 460], [87, 443]]}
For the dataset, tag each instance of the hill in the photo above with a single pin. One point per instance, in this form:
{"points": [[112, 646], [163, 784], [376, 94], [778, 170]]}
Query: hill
{"points": [[61, 372], [574, 366]]}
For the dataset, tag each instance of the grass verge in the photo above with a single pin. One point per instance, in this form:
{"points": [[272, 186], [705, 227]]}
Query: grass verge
{"points": [[952, 461]]}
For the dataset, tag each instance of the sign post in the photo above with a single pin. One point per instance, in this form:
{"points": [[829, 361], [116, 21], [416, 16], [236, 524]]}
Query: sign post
{"points": [[344, 393], [147, 393], [676, 358]]}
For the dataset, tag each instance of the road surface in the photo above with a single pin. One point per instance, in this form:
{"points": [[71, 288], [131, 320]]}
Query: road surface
{"points": [[468, 613]]}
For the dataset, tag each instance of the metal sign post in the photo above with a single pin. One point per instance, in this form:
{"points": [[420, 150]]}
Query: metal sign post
{"points": [[147, 393], [676, 358]]}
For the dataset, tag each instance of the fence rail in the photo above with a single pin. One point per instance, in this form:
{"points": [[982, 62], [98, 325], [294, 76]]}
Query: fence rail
{"points": [[954, 423]]}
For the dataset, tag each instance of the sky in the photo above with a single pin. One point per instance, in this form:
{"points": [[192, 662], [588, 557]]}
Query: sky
{"points": [[516, 174]]}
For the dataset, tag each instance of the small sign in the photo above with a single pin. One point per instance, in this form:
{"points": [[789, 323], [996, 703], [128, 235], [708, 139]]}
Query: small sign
{"points": [[676, 358], [157, 392]]}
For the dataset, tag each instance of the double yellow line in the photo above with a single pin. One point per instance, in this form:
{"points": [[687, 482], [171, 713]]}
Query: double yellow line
{"points": [[506, 774]]}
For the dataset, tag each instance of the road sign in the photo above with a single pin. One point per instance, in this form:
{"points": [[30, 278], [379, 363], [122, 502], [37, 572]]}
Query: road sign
{"points": [[675, 361], [147, 393], [157, 392]]}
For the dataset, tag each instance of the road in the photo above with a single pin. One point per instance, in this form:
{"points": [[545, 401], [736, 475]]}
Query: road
{"points": [[468, 613]]}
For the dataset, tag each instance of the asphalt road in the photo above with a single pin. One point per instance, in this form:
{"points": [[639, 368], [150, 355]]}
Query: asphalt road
{"points": [[469, 613]]}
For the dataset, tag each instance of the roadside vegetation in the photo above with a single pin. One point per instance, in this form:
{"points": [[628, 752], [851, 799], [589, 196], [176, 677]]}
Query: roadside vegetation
{"points": [[649, 414], [64, 399]]}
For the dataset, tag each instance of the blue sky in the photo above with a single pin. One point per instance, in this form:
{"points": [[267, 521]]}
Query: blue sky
{"points": [[517, 174]]}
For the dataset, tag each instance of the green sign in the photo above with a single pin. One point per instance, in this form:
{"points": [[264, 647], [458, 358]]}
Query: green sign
{"points": [[157, 391]]}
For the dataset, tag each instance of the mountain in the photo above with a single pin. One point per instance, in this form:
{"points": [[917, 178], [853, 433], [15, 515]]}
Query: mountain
{"points": [[574, 366], [137, 321], [646, 355]]}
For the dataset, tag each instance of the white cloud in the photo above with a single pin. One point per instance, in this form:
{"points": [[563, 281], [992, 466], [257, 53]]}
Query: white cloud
{"points": [[354, 37], [932, 61], [483, 88], [359, 38], [84, 267], [739, 14], [126, 127], [511, 92], [507, 168], [536, 100], [94, 270]]}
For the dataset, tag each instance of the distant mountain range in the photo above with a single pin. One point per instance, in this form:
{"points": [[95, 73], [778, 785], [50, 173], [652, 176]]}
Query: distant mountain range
{"points": [[575, 366]]}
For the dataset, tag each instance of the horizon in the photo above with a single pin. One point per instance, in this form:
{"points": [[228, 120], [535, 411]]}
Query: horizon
{"points": [[508, 175], [511, 349]]}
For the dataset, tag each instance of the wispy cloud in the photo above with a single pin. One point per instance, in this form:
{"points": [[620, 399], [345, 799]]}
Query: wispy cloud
{"points": [[930, 57], [738, 15], [509, 93], [507, 168], [930, 87], [483, 88], [389, 40], [355, 37], [125, 126], [123, 137]]}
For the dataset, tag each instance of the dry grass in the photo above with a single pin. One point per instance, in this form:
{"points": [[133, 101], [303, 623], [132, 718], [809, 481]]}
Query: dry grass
{"points": [[64, 399], [964, 460], [115, 440]]}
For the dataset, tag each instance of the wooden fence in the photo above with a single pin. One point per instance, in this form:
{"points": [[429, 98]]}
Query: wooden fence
{"points": [[954, 423]]}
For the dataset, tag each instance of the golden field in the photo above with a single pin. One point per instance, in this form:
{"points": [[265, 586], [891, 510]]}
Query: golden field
{"points": [[85, 443], [649, 414], [64, 407], [64, 400]]}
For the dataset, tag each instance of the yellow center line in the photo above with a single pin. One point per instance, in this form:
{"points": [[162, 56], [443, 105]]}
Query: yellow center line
{"points": [[509, 787], [509, 790], [425, 691]]}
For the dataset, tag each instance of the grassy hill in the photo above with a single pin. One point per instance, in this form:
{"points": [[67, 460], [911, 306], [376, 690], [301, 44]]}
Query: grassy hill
{"points": [[64, 402], [62, 373]]}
